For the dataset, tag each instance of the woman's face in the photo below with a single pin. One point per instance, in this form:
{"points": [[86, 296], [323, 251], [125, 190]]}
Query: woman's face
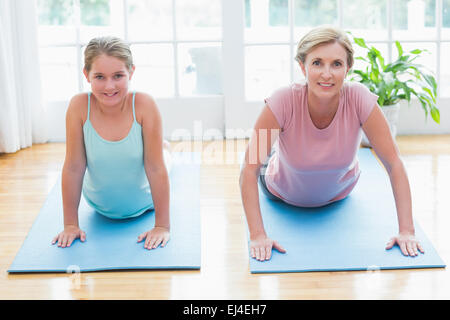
{"points": [[325, 69], [109, 79]]}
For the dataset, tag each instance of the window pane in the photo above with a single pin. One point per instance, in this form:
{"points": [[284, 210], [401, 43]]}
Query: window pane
{"points": [[154, 69], [95, 12], [55, 12], [150, 20], [414, 19], [446, 19], [101, 18], [308, 14], [59, 74], [55, 35], [266, 69], [278, 12], [366, 18], [314, 13], [56, 22], [199, 19], [267, 21], [200, 69], [297, 74], [445, 70]]}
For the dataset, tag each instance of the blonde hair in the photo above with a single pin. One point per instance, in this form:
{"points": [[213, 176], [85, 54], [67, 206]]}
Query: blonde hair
{"points": [[324, 35], [111, 46]]}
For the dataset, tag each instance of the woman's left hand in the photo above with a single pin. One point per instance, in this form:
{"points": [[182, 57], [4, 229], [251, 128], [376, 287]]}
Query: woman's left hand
{"points": [[155, 237], [408, 244]]}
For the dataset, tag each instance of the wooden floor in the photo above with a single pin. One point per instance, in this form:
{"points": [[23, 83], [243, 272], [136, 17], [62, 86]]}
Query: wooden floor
{"points": [[27, 176]]}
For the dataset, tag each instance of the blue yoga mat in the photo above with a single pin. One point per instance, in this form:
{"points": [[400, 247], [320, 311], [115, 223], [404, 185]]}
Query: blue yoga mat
{"points": [[350, 234], [112, 244]]}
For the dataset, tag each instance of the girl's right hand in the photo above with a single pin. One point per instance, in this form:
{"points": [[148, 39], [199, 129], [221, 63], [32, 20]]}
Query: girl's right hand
{"points": [[261, 247], [69, 234]]}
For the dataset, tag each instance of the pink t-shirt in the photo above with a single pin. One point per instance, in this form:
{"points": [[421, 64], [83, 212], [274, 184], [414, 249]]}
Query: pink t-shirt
{"points": [[313, 167]]}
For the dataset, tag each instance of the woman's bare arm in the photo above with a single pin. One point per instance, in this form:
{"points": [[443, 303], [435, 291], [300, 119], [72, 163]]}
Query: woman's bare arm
{"points": [[73, 172], [265, 133], [379, 135]]}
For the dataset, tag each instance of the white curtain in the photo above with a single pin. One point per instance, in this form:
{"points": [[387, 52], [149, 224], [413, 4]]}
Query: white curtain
{"points": [[22, 114]]}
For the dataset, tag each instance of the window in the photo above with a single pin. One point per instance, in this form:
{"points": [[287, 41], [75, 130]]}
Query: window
{"points": [[274, 27], [272, 31], [444, 31], [215, 61], [176, 44]]}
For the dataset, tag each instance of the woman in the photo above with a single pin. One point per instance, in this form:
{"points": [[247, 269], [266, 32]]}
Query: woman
{"points": [[317, 127]]}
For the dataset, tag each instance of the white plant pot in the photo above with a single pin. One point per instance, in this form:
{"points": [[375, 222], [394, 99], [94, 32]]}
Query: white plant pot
{"points": [[391, 113]]}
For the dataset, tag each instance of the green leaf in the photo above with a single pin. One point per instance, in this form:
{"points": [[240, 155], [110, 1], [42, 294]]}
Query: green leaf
{"points": [[372, 56], [361, 58], [435, 115], [383, 79], [361, 74], [396, 67], [373, 77], [400, 96], [430, 93], [424, 106], [404, 58], [379, 57], [360, 42], [406, 90], [399, 48], [431, 81], [426, 99]]}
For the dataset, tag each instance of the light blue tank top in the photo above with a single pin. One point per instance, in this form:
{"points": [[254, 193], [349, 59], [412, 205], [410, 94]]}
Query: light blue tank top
{"points": [[115, 183]]}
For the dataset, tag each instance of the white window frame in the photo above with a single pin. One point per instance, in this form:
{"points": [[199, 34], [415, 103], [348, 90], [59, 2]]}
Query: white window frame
{"points": [[230, 115], [184, 117], [241, 114]]}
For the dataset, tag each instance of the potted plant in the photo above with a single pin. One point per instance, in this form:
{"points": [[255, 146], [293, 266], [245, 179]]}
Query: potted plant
{"points": [[396, 81]]}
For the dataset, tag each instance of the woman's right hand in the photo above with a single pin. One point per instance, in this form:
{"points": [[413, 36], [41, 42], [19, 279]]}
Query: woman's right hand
{"points": [[66, 237], [261, 247]]}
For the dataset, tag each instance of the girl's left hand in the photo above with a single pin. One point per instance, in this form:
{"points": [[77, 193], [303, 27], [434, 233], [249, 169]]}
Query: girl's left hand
{"points": [[155, 237], [408, 244]]}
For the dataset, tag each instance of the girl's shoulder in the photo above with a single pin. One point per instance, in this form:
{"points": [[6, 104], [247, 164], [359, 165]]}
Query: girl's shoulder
{"points": [[78, 106], [80, 99], [145, 107]]}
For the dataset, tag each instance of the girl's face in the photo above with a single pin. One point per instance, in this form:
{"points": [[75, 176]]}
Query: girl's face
{"points": [[109, 79], [325, 69]]}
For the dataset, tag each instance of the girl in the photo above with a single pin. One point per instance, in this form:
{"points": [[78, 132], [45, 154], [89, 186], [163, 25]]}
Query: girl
{"points": [[318, 129], [114, 148]]}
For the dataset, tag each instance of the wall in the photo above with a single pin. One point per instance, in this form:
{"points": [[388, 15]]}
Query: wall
{"points": [[195, 118]]}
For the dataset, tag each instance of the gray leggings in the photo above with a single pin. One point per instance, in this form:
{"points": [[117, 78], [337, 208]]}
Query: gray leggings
{"points": [[262, 182]]}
